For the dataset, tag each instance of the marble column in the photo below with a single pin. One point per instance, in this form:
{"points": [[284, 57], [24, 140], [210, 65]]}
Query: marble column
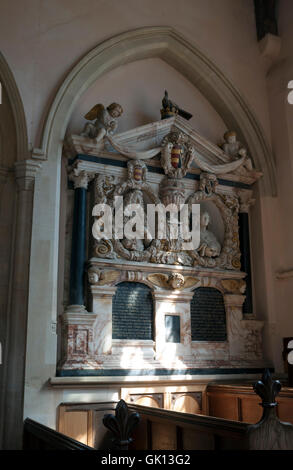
{"points": [[16, 330], [80, 180], [246, 200]]}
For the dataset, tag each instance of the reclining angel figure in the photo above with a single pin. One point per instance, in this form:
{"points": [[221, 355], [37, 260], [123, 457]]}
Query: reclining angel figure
{"points": [[105, 121]]}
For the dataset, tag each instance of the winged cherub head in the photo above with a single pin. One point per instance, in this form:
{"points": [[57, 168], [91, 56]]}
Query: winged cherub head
{"points": [[115, 110]]}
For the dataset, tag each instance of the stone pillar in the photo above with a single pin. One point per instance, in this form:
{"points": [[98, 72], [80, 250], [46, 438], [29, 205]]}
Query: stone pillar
{"points": [[234, 315], [77, 323], [102, 306], [244, 336], [245, 198], [15, 343], [167, 302], [4, 172], [78, 247]]}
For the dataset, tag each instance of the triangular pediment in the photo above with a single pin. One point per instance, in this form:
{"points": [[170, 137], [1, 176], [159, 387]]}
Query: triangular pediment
{"points": [[150, 136]]}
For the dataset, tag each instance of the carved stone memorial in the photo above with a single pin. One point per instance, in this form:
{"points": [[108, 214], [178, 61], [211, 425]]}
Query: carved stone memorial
{"points": [[166, 164]]}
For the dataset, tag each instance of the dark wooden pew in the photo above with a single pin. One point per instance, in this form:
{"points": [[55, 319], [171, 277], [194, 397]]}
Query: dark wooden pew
{"points": [[129, 426], [36, 436]]}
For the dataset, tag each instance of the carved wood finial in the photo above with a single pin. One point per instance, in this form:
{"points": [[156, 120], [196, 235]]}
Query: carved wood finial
{"points": [[267, 389], [121, 425]]}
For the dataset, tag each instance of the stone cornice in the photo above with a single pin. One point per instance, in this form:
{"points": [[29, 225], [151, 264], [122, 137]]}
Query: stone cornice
{"points": [[152, 267], [150, 136], [96, 167], [172, 296], [103, 291], [75, 318]]}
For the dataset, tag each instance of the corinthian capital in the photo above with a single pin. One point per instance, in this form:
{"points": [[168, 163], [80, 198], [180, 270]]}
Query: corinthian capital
{"points": [[80, 178], [245, 199]]}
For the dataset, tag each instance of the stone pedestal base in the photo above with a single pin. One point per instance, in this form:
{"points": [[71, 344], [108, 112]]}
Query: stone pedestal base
{"points": [[77, 333], [87, 337]]}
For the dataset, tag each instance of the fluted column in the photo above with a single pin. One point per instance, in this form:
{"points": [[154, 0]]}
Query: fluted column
{"points": [[80, 180], [246, 200]]}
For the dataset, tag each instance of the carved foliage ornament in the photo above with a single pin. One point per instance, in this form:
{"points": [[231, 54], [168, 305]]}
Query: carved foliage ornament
{"points": [[228, 206], [267, 389], [235, 286], [174, 281], [210, 254]]}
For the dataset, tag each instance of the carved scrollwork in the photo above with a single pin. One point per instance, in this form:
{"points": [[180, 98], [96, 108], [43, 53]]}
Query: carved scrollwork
{"points": [[104, 249], [135, 189], [208, 183], [176, 154], [228, 206], [104, 187]]}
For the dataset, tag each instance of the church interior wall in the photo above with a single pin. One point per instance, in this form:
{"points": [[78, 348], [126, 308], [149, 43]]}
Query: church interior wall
{"points": [[51, 38], [277, 225]]}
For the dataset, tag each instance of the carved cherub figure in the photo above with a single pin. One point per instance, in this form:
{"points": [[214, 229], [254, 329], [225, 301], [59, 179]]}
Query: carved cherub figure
{"points": [[135, 244], [235, 149], [209, 245], [105, 121], [174, 281]]}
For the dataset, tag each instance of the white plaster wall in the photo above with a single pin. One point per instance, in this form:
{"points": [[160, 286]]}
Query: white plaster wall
{"points": [[139, 87], [276, 218], [45, 39]]}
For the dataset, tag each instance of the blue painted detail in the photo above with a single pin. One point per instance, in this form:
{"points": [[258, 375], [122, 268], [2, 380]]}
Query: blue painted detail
{"points": [[123, 164], [78, 248], [155, 372], [245, 259]]}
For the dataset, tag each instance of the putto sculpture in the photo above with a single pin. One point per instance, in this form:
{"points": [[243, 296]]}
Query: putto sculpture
{"points": [[235, 150], [105, 121]]}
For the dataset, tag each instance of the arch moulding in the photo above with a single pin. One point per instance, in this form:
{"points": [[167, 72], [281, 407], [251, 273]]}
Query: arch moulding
{"points": [[164, 43], [8, 82]]}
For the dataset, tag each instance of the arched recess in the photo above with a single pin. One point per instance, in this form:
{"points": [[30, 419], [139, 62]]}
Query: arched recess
{"points": [[164, 43], [154, 42]]}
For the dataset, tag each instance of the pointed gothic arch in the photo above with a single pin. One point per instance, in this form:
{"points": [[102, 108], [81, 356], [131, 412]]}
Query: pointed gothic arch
{"points": [[167, 44], [8, 82]]}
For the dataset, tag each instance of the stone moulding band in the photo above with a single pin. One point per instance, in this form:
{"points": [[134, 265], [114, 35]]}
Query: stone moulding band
{"points": [[152, 169], [155, 372]]}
